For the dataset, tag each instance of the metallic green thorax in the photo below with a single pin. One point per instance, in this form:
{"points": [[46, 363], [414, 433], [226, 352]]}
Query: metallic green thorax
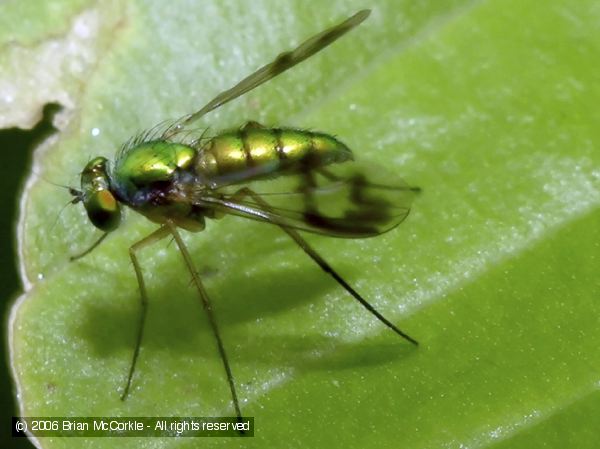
{"points": [[149, 163], [156, 177]]}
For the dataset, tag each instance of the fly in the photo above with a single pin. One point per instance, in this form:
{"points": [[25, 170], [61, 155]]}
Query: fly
{"points": [[178, 182]]}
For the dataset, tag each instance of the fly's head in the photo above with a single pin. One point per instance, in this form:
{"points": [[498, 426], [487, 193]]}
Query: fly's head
{"points": [[100, 204]]}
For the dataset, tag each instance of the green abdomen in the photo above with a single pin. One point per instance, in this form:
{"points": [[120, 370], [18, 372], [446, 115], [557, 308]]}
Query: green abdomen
{"points": [[254, 153]]}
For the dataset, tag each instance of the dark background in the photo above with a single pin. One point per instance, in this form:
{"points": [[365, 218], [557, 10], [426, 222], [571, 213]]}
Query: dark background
{"points": [[16, 146]]}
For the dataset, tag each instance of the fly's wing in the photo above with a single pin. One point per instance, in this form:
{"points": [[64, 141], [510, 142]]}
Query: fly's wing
{"points": [[343, 201], [283, 62]]}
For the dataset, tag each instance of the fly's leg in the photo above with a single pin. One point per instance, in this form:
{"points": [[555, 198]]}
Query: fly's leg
{"points": [[90, 249], [323, 264], [156, 236], [172, 229]]}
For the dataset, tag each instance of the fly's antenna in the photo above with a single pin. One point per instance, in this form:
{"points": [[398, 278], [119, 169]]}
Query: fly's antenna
{"points": [[77, 197], [43, 178], [76, 194], [73, 201], [56, 184]]}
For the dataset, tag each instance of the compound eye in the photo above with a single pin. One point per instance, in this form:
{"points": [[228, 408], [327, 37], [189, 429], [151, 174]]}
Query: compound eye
{"points": [[103, 210]]}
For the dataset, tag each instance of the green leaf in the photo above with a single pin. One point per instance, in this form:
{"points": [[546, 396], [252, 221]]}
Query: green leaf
{"points": [[490, 107]]}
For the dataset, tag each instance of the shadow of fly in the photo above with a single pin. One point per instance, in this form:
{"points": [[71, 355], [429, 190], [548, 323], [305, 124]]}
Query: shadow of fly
{"points": [[178, 182]]}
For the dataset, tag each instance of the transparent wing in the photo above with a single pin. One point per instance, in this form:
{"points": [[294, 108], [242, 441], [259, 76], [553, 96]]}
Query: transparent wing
{"points": [[283, 62], [343, 201]]}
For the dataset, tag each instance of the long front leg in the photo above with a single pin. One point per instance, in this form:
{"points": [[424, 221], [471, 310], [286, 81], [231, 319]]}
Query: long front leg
{"points": [[323, 263], [209, 311], [156, 236], [90, 249]]}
